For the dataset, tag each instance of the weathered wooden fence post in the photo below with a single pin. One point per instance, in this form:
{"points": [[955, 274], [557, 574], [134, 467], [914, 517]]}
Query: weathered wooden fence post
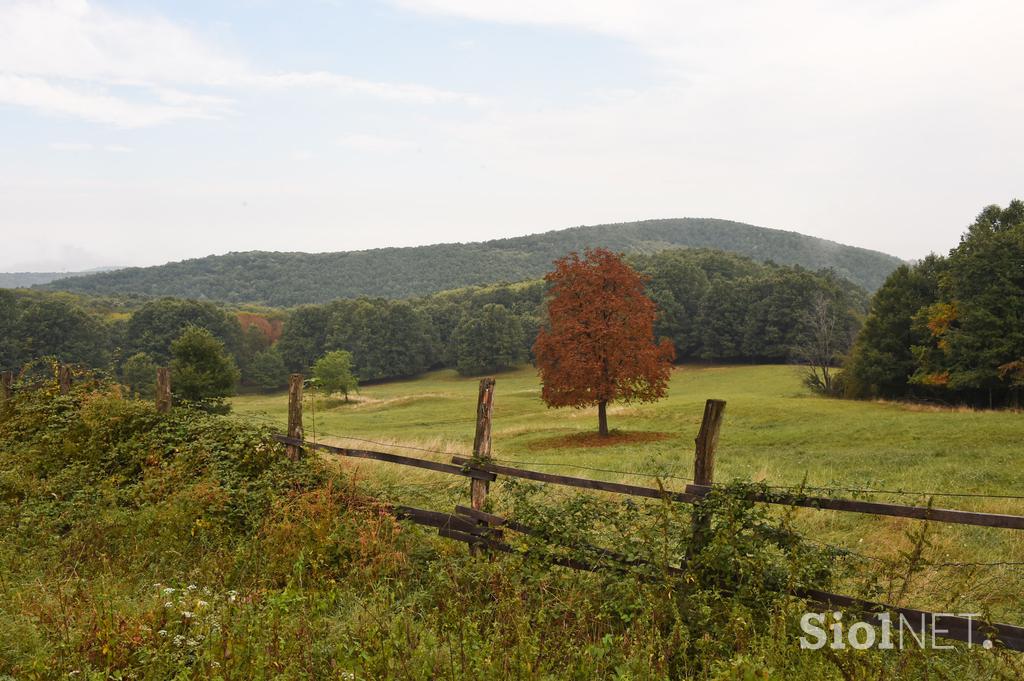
{"points": [[6, 384], [704, 464], [294, 414], [163, 390], [482, 441], [64, 378]]}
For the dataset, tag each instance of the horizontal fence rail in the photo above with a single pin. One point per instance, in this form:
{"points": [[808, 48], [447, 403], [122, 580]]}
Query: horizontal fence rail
{"points": [[942, 515], [466, 467], [584, 483], [696, 492], [389, 458]]}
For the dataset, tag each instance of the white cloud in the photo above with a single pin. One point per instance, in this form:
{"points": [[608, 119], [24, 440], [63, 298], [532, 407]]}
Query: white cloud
{"points": [[91, 103], [74, 58]]}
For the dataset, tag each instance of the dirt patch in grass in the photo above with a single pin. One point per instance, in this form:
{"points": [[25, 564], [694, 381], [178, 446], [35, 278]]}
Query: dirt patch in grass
{"points": [[616, 437]]}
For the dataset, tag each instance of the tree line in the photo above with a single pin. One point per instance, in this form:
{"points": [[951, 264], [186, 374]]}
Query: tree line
{"points": [[950, 328], [710, 304]]}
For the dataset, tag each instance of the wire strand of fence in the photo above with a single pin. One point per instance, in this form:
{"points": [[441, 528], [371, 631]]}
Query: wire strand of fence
{"points": [[895, 492], [847, 552]]}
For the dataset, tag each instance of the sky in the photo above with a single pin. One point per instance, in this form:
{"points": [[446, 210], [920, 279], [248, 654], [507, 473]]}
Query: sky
{"points": [[146, 131]]}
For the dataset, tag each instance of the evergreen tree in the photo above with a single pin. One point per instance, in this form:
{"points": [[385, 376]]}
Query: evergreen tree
{"points": [[882, 361]]}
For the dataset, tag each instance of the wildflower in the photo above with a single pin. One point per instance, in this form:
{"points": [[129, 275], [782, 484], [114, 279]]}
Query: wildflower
{"points": [[179, 639], [192, 587], [168, 591], [192, 643], [162, 632], [168, 604], [186, 614], [201, 604]]}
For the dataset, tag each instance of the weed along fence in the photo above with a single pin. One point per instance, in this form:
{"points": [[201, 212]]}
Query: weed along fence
{"points": [[486, 531]]}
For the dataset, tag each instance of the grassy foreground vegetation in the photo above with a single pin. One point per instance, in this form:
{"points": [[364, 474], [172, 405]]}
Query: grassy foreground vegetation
{"points": [[775, 431], [147, 546]]}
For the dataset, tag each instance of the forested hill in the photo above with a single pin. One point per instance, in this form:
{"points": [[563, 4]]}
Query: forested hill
{"points": [[284, 279]]}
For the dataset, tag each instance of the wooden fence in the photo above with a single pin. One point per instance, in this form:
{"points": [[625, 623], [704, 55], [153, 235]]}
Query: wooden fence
{"points": [[479, 529], [482, 530]]}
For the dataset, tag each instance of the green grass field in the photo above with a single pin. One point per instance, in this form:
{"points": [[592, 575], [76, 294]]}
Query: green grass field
{"points": [[774, 430]]}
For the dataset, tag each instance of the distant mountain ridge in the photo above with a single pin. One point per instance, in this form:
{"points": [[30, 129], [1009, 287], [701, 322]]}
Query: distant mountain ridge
{"points": [[285, 279], [27, 279]]}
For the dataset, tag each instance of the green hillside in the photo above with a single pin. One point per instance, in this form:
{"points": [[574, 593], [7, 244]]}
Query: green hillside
{"points": [[274, 278]]}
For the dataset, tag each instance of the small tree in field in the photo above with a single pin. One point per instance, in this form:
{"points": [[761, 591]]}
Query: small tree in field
{"points": [[333, 373], [598, 345]]}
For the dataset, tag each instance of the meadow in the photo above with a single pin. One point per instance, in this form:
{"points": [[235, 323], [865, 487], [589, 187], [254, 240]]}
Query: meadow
{"points": [[774, 431]]}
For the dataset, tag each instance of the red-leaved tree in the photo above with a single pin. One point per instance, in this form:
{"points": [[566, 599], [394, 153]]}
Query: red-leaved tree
{"points": [[598, 345]]}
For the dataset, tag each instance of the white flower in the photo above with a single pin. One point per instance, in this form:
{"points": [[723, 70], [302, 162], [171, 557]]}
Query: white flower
{"points": [[168, 604], [192, 587], [168, 591], [348, 675], [162, 632], [186, 614], [201, 604], [179, 639]]}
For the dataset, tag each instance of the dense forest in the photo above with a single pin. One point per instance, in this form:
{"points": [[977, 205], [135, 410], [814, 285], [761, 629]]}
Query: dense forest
{"points": [[712, 305], [950, 328], [288, 279]]}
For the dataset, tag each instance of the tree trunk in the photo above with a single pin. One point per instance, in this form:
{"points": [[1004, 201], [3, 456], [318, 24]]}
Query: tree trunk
{"points": [[602, 417]]}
